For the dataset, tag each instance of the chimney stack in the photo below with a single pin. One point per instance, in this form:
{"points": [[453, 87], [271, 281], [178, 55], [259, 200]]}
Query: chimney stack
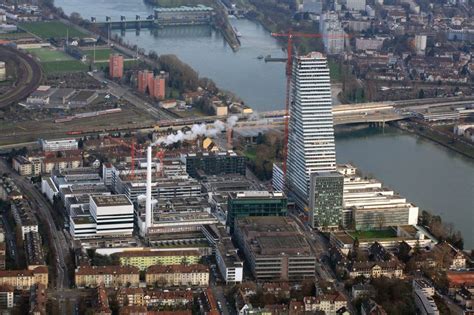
{"points": [[148, 212]]}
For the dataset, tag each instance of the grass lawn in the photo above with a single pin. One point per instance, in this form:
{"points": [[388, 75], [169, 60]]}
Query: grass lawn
{"points": [[15, 35], [64, 66], [48, 55], [251, 153], [388, 233], [55, 29], [100, 54]]}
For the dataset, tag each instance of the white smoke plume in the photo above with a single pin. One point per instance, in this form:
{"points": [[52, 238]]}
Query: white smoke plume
{"points": [[197, 130]]}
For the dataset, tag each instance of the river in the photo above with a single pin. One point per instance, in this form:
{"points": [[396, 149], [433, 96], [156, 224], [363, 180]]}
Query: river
{"points": [[429, 175]]}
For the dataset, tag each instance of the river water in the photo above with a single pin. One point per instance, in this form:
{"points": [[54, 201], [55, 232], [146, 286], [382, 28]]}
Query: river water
{"points": [[431, 176]]}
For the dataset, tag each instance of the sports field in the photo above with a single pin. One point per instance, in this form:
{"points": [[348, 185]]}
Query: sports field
{"points": [[51, 29], [54, 61], [48, 55], [387, 233], [100, 54]]}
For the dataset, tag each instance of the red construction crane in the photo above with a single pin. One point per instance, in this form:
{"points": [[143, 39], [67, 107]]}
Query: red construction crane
{"points": [[289, 64], [132, 151], [160, 154]]}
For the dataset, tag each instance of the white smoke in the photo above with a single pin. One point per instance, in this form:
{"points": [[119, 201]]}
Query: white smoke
{"points": [[197, 130]]}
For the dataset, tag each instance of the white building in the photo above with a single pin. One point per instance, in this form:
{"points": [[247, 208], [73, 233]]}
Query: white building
{"points": [[333, 33], [420, 44], [312, 6], [113, 214], [311, 145], [278, 181], [59, 145], [423, 294]]}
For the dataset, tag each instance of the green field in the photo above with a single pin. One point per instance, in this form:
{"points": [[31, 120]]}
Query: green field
{"points": [[48, 55], [100, 54], [53, 29], [15, 35], [388, 233], [64, 66]]}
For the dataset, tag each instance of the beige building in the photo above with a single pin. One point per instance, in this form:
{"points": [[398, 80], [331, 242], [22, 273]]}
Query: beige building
{"points": [[146, 258], [371, 269], [327, 303], [26, 166], [176, 275], [110, 276], [24, 279]]}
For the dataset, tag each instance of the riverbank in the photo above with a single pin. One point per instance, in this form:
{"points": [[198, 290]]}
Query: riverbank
{"points": [[437, 137]]}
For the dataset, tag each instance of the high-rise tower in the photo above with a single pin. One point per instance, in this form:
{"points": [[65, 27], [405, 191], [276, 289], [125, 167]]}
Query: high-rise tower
{"points": [[311, 145]]}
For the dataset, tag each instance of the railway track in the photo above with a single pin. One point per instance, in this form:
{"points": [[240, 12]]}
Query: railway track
{"points": [[28, 79]]}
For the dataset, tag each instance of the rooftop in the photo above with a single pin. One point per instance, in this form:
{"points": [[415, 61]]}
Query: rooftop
{"points": [[197, 8], [111, 200]]}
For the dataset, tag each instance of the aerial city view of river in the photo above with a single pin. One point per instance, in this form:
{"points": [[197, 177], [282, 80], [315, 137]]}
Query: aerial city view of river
{"points": [[429, 175]]}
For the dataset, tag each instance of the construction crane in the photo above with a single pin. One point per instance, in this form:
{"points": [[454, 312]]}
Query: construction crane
{"points": [[289, 66], [132, 151]]}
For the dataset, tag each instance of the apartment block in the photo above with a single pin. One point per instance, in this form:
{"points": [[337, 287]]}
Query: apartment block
{"points": [[24, 279], [110, 276], [178, 275], [143, 259]]}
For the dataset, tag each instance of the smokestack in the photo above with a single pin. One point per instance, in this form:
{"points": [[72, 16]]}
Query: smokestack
{"points": [[229, 138], [148, 214]]}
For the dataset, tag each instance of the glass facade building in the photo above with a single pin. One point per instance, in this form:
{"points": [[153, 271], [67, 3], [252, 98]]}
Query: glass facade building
{"points": [[326, 201]]}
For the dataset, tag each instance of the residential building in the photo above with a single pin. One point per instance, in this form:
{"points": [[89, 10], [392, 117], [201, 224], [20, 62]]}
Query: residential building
{"points": [[326, 200], [311, 145], [313, 6], [6, 297], [34, 250], [333, 33], [145, 258], [153, 85], [26, 166], [24, 279], [330, 304], [38, 299], [370, 307], [59, 145], [110, 276], [159, 298], [274, 248], [375, 269], [254, 203], [451, 257], [101, 305], [355, 5], [178, 275], [130, 296], [116, 66]]}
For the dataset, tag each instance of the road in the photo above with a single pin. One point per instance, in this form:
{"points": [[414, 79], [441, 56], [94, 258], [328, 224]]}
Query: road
{"points": [[45, 215]]}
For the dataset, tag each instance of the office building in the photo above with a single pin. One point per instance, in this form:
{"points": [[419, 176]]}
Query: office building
{"points": [[420, 44], [177, 275], [113, 214], [311, 145], [274, 248], [116, 66], [333, 33], [214, 163], [423, 293], [109, 276], [278, 179], [326, 200], [254, 203], [59, 145], [355, 5]]}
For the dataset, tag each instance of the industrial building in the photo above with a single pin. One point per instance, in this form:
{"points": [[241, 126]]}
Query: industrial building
{"points": [[311, 145], [214, 163], [326, 200], [184, 15], [255, 203], [274, 248], [113, 214]]}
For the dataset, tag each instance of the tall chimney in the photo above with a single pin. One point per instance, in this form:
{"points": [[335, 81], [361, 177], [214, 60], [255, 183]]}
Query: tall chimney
{"points": [[148, 214]]}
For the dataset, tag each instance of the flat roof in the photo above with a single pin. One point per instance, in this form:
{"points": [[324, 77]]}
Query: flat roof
{"points": [[183, 8], [111, 200]]}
